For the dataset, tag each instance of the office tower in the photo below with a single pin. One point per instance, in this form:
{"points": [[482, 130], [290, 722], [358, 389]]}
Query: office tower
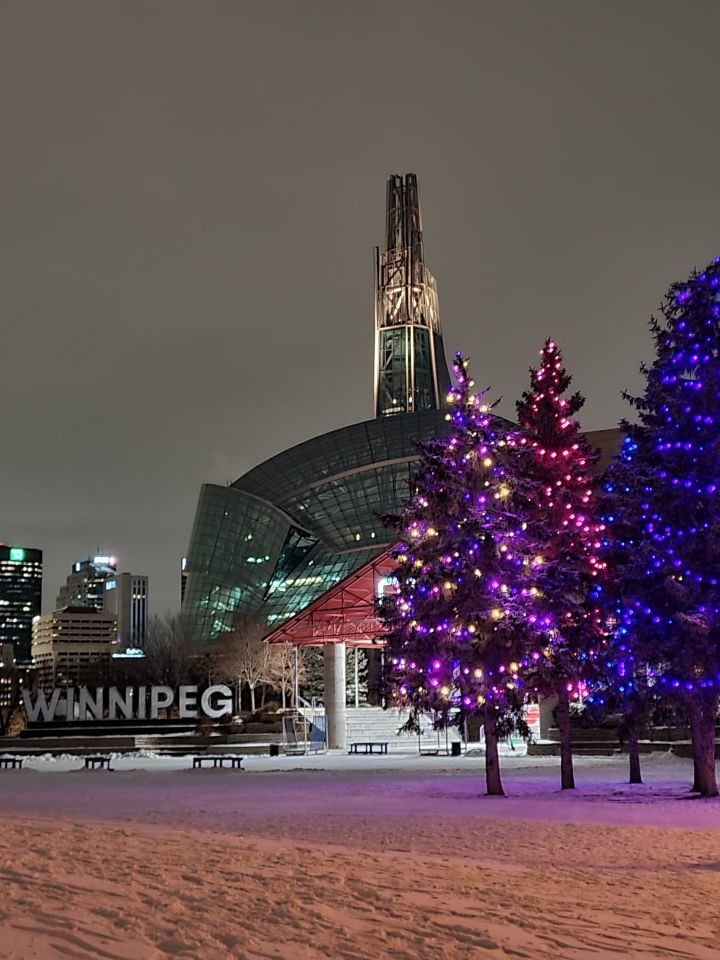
{"points": [[20, 597], [73, 646], [85, 586], [126, 598], [183, 578]]}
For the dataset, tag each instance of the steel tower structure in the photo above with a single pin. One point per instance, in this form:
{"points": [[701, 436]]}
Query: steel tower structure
{"points": [[411, 372]]}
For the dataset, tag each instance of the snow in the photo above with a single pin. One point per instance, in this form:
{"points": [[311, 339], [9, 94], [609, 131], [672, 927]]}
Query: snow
{"points": [[356, 857]]}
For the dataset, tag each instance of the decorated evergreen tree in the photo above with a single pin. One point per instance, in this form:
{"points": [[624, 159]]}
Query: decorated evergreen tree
{"points": [[565, 532], [465, 610], [670, 614], [624, 680]]}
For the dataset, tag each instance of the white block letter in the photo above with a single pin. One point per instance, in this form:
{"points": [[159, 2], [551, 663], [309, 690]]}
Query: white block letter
{"points": [[224, 701], [160, 699], [187, 703]]}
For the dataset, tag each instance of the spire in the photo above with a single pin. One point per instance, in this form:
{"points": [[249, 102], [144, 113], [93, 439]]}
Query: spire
{"points": [[410, 368]]}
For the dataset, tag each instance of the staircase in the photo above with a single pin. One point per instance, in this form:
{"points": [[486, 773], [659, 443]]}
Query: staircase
{"points": [[374, 723]]}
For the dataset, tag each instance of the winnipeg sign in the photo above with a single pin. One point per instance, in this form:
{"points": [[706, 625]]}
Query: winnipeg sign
{"points": [[128, 703]]}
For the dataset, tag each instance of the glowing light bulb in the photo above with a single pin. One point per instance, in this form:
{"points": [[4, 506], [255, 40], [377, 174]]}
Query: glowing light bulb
{"points": [[487, 462]]}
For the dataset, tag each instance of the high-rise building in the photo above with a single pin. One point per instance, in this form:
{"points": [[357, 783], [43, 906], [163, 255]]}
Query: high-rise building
{"points": [[20, 597], [85, 586], [183, 578], [411, 372], [73, 646], [126, 597]]}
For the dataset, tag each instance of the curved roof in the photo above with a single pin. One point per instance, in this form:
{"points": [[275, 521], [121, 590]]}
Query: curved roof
{"points": [[347, 449], [292, 527], [337, 485]]}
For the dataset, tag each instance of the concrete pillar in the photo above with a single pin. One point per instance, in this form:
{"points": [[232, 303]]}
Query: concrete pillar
{"points": [[335, 714]]}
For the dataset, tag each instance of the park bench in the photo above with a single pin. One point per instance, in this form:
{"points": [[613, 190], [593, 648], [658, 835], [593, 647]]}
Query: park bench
{"points": [[12, 763], [220, 760], [92, 763], [369, 746]]}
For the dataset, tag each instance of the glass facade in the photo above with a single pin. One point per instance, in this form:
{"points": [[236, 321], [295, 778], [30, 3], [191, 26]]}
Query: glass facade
{"points": [[408, 359], [295, 525]]}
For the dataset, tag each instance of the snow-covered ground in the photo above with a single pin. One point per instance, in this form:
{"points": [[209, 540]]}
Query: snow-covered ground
{"points": [[364, 857]]}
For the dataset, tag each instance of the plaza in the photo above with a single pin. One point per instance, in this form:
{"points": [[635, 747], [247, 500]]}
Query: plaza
{"points": [[365, 857]]}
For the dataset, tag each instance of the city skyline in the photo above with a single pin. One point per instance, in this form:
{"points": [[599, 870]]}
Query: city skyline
{"points": [[167, 214]]}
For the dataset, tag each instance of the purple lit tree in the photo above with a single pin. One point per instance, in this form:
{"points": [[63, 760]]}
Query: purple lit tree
{"points": [[564, 529], [462, 619], [669, 617]]}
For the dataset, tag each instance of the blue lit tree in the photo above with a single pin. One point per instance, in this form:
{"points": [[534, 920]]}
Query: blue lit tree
{"points": [[563, 527], [462, 622], [669, 616], [625, 681]]}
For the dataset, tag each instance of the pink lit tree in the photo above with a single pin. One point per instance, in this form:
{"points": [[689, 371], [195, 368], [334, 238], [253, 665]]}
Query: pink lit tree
{"points": [[562, 523]]}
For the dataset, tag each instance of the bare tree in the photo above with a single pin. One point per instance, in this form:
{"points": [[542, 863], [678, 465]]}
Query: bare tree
{"points": [[282, 665], [171, 657], [243, 655]]}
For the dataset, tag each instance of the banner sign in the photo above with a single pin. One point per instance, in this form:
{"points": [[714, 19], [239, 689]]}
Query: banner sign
{"points": [[130, 703]]}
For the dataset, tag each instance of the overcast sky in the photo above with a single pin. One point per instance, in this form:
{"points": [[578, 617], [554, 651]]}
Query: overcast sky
{"points": [[190, 194]]}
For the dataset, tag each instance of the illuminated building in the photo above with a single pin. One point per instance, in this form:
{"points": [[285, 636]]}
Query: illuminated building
{"points": [[126, 597], [85, 586], [291, 528], [411, 372], [73, 646], [20, 596], [183, 578]]}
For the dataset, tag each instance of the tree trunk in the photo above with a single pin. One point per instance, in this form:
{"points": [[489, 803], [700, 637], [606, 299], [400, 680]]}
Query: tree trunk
{"points": [[695, 734], [634, 750], [704, 715], [567, 777], [252, 697], [492, 760], [263, 696]]}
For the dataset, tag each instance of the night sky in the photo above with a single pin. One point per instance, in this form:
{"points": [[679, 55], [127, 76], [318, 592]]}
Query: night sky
{"points": [[190, 194]]}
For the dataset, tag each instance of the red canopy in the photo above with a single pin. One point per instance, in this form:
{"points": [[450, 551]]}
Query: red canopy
{"points": [[345, 613]]}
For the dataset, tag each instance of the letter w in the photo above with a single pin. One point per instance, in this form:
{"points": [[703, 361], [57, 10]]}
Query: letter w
{"points": [[41, 706]]}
